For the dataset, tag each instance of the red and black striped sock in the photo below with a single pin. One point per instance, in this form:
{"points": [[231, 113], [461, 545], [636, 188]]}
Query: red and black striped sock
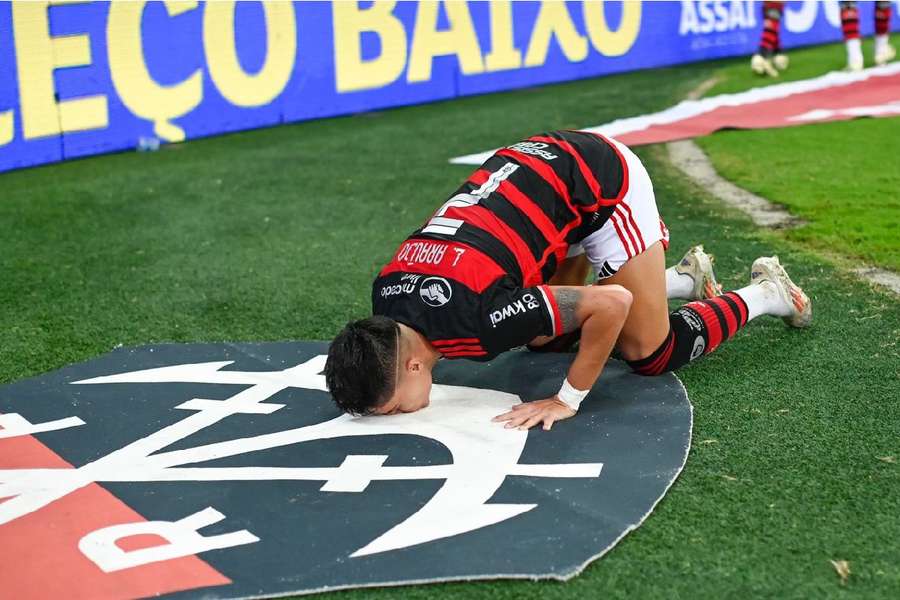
{"points": [[695, 329], [770, 43], [882, 18], [849, 21]]}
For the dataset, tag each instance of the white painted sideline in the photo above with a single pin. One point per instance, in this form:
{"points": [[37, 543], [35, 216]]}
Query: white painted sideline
{"points": [[691, 108]]}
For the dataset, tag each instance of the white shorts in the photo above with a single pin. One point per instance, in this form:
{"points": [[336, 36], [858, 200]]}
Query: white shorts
{"points": [[633, 227]]}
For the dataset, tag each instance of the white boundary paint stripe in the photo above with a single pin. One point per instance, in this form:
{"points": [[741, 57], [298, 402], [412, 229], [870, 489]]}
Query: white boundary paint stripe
{"points": [[692, 108]]}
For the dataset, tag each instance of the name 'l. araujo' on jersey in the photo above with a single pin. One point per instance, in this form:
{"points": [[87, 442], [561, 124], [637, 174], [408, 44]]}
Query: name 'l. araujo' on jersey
{"points": [[471, 280]]}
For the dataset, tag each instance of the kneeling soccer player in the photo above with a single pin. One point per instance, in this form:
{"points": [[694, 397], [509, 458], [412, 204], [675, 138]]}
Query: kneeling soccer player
{"points": [[502, 264]]}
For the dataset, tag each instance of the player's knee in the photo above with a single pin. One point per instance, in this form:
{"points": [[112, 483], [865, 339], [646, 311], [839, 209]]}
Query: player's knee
{"points": [[616, 300], [686, 340]]}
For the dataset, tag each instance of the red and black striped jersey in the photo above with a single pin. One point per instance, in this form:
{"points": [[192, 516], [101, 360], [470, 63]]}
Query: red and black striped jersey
{"points": [[470, 279]]}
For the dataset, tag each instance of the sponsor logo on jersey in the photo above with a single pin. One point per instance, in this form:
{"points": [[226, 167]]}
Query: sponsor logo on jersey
{"points": [[534, 148], [525, 303], [407, 285], [397, 289], [435, 291]]}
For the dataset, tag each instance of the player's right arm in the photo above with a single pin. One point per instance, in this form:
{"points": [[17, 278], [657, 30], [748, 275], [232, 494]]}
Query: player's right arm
{"points": [[600, 312]]}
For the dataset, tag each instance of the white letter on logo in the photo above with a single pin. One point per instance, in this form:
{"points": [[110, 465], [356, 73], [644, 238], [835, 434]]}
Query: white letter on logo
{"points": [[14, 425], [184, 540], [799, 21], [688, 23]]}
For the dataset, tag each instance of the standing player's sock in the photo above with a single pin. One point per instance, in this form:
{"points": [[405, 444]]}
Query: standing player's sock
{"points": [[697, 328], [855, 59], [882, 20]]}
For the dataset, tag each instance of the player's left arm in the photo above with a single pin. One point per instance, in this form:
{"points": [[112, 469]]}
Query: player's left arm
{"points": [[600, 311]]}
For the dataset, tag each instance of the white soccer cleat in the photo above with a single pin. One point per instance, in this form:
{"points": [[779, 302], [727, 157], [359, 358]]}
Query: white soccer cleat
{"points": [[855, 64], [699, 266], [781, 62], [763, 66], [885, 55], [768, 268]]}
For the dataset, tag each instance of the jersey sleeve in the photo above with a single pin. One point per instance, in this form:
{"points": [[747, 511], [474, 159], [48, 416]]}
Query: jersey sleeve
{"points": [[513, 316]]}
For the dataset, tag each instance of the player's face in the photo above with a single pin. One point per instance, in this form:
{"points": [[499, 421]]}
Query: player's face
{"points": [[412, 391]]}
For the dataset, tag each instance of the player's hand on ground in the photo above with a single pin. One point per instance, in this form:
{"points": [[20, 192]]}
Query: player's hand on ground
{"points": [[529, 414]]}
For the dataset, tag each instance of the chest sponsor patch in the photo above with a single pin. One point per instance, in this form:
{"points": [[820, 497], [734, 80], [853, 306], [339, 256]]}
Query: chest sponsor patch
{"points": [[225, 471]]}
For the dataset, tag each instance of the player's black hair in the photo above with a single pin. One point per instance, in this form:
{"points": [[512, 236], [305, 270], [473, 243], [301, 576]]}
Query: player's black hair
{"points": [[361, 365]]}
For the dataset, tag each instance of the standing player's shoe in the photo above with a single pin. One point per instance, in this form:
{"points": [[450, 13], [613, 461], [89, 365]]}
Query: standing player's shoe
{"points": [[768, 268], [781, 62], [699, 266], [763, 66], [885, 55], [855, 64]]}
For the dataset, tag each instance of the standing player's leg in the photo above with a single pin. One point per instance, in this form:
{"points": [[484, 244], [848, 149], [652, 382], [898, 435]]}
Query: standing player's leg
{"points": [[764, 61], [884, 52], [850, 31]]}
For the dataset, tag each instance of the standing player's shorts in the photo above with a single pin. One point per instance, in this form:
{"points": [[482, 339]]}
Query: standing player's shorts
{"points": [[633, 227]]}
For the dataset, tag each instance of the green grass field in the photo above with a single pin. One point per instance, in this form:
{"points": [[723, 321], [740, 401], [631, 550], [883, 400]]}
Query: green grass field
{"points": [[276, 234], [841, 177]]}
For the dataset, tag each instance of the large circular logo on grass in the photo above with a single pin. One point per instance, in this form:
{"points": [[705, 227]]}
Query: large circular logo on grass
{"points": [[224, 470]]}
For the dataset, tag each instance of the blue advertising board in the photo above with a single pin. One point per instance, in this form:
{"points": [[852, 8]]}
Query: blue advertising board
{"points": [[82, 78]]}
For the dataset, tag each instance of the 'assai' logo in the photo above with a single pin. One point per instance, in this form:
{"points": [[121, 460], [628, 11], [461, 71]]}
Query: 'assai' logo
{"points": [[435, 291]]}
